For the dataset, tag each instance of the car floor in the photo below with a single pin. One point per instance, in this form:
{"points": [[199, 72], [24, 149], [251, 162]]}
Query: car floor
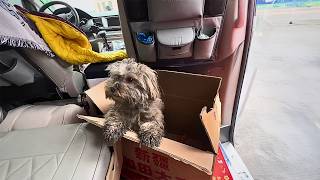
{"points": [[278, 131]]}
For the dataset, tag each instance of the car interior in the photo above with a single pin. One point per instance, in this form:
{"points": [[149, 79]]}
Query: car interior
{"points": [[41, 96]]}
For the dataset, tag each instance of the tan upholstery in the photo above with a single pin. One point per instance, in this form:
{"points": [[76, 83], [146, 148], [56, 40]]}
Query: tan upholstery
{"points": [[57, 150], [35, 116], [17, 71], [68, 152], [60, 72]]}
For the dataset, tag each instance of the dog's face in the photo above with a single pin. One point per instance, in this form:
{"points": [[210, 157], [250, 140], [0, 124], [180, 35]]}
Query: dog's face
{"points": [[131, 82]]}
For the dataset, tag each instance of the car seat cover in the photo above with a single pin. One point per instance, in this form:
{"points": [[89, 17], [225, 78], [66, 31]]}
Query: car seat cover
{"points": [[60, 152], [35, 116]]}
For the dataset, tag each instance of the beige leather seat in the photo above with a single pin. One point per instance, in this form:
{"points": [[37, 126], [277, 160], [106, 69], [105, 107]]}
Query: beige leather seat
{"points": [[59, 72], [35, 116], [47, 142], [67, 152], [38, 142], [62, 74]]}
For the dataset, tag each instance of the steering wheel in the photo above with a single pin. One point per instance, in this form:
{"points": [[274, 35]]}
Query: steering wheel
{"points": [[71, 14]]}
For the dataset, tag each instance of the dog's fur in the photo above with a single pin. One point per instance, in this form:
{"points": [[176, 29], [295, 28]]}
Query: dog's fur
{"points": [[138, 105]]}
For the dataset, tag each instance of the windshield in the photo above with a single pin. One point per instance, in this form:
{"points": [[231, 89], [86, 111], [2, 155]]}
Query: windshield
{"points": [[94, 8]]}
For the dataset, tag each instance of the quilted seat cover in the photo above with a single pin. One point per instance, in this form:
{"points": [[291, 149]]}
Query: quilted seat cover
{"points": [[36, 116], [68, 152]]}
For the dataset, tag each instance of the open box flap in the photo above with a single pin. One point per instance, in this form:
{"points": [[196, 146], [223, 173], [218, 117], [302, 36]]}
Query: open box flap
{"points": [[97, 95], [211, 121], [184, 100], [197, 158]]}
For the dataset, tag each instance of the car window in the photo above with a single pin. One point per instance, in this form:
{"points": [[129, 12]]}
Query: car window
{"points": [[93, 7], [15, 2], [96, 7], [38, 3]]}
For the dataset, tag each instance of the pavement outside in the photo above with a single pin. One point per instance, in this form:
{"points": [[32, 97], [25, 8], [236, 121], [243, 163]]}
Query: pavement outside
{"points": [[278, 132]]}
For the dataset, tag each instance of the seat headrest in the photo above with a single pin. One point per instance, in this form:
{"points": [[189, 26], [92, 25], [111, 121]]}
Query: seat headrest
{"points": [[171, 10]]}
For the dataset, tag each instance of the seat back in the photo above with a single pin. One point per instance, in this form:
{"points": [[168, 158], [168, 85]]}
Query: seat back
{"points": [[59, 72]]}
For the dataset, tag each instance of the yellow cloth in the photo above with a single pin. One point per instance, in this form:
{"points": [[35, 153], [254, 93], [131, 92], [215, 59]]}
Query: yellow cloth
{"points": [[69, 43]]}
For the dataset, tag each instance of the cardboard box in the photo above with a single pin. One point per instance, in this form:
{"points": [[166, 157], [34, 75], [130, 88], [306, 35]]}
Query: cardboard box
{"points": [[192, 134]]}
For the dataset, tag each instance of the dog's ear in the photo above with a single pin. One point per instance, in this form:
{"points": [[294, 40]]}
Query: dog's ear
{"points": [[150, 78]]}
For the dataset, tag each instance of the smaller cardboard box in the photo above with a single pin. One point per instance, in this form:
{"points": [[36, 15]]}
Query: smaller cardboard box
{"points": [[188, 150]]}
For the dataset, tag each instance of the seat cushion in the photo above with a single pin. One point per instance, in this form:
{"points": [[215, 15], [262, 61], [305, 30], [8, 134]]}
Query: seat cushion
{"points": [[68, 152], [35, 116]]}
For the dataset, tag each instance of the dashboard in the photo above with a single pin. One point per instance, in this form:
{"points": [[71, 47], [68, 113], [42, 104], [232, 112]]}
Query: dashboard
{"points": [[102, 32], [102, 22]]}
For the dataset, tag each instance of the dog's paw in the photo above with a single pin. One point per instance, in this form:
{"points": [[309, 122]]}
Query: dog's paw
{"points": [[113, 131], [150, 135]]}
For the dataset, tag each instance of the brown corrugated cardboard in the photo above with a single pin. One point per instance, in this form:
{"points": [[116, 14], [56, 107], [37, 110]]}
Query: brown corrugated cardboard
{"points": [[192, 133], [97, 95], [151, 164], [209, 121], [115, 166]]}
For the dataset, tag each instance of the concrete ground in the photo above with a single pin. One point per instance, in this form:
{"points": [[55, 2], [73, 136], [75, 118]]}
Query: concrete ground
{"points": [[278, 132]]}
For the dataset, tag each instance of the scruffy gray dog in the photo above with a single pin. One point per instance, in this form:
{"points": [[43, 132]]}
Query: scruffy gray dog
{"points": [[138, 105]]}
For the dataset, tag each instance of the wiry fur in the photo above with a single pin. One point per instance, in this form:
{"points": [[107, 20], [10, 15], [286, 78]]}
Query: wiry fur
{"points": [[138, 105]]}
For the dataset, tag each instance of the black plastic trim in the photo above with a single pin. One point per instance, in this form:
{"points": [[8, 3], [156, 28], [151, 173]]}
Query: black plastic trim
{"points": [[247, 43]]}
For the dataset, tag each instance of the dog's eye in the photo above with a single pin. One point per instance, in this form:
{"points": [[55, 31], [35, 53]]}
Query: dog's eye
{"points": [[129, 79], [117, 77]]}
